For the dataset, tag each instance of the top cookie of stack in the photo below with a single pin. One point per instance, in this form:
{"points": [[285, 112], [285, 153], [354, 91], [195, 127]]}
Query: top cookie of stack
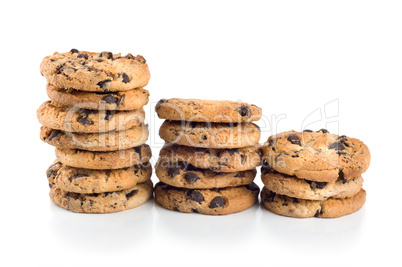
{"points": [[95, 119], [208, 162]]}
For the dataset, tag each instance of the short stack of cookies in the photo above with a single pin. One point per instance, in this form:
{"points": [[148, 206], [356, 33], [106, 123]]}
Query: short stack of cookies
{"points": [[209, 160], [95, 119], [313, 174]]}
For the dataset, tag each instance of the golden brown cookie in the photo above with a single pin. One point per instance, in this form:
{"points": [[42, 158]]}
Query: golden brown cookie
{"points": [[127, 100], [95, 72], [89, 181], [207, 201], [103, 202], [210, 135], [317, 156], [184, 175], [75, 119], [292, 186], [104, 160], [207, 110], [301, 208], [108, 141], [218, 160]]}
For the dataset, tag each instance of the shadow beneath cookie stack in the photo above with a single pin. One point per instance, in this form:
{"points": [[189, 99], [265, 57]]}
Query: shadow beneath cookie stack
{"points": [[95, 119], [209, 160]]}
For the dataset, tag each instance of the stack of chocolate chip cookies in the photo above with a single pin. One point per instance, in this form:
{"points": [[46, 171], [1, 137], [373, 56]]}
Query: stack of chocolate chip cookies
{"points": [[313, 174], [209, 160], [95, 119]]}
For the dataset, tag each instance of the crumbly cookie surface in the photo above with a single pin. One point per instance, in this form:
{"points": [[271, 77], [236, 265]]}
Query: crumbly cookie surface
{"points": [[89, 181], [218, 160], [207, 201], [102, 202], [184, 175], [301, 208], [104, 160], [95, 72], [317, 156], [292, 186], [210, 135], [127, 100], [108, 141], [207, 110], [75, 119]]}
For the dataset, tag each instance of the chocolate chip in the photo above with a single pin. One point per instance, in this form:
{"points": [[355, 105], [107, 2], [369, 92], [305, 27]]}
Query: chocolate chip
{"points": [[53, 134], [240, 174], [323, 130], [270, 197], [83, 116], [78, 176], [307, 131], [196, 196], [125, 77], [129, 56], [217, 202], [60, 68], [132, 193], [107, 55], [252, 187], [341, 177], [318, 213], [337, 146], [51, 169], [103, 84], [173, 171], [74, 51], [191, 177], [271, 142], [244, 111], [160, 102], [110, 99], [204, 137], [292, 138], [138, 150], [81, 55], [317, 185], [108, 115], [195, 210], [242, 159]]}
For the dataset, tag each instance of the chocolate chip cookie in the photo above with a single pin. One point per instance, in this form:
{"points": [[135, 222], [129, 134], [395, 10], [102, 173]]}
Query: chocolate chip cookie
{"points": [[317, 156], [127, 100], [77, 119], [292, 186], [185, 175], [207, 110], [108, 141], [103, 202], [210, 135], [104, 160], [301, 208], [207, 201], [218, 160], [88, 181], [95, 72]]}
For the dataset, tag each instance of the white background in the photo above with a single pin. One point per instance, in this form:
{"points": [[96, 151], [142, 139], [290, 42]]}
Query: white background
{"points": [[291, 58]]}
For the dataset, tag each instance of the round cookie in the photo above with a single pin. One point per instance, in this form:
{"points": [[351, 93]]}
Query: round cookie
{"points": [[77, 119], [210, 135], [301, 208], [102, 202], [292, 186], [317, 156], [207, 110], [207, 201], [184, 175], [88, 181], [108, 141], [95, 72], [104, 160], [127, 100], [219, 160]]}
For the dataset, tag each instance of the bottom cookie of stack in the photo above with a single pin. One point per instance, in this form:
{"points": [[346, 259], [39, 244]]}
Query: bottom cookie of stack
{"points": [[302, 208], [99, 191], [217, 201]]}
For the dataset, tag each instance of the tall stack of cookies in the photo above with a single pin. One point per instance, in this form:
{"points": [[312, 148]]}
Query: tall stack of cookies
{"points": [[95, 119], [209, 160], [313, 174]]}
